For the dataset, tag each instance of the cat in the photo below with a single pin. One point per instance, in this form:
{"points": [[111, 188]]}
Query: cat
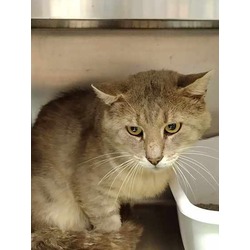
{"points": [[96, 148]]}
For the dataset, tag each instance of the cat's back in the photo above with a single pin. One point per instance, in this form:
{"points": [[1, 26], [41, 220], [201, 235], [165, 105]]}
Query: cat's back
{"points": [[68, 105], [60, 124]]}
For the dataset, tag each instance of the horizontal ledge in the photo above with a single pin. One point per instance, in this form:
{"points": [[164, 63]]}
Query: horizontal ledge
{"points": [[124, 24]]}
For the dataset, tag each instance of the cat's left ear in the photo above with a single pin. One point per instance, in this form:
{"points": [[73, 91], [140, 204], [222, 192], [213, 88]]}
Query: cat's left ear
{"points": [[106, 98], [195, 84]]}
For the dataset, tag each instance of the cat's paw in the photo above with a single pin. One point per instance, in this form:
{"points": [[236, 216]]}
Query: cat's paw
{"points": [[109, 224]]}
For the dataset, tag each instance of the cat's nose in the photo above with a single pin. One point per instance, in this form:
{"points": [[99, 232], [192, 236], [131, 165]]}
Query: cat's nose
{"points": [[155, 161]]}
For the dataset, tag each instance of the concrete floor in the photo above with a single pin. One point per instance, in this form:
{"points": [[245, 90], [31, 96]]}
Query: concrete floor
{"points": [[160, 223]]}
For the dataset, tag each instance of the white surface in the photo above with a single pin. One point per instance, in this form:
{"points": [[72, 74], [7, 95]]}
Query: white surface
{"points": [[199, 227]]}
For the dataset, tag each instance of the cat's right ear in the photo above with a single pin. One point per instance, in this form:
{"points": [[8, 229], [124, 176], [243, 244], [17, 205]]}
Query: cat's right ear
{"points": [[106, 98], [194, 85]]}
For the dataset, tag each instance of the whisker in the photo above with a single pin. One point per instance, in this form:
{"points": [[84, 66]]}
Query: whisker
{"points": [[134, 177], [125, 180], [196, 146], [188, 183], [127, 166], [130, 180], [198, 173], [103, 155], [175, 168], [183, 167], [113, 170], [201, 154], [199, 151], [100, 163], [141, 172], [200, 165]]}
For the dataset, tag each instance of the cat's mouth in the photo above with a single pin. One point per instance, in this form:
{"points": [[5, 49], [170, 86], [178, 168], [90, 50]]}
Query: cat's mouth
{"points": [[166, 162]]}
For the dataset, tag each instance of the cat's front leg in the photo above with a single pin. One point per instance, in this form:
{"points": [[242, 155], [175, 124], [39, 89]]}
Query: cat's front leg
{"points": [[105, 218], [108, 223]]}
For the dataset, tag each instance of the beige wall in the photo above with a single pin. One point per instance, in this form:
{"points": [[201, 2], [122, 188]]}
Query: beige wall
{"points": [[62, 58]]}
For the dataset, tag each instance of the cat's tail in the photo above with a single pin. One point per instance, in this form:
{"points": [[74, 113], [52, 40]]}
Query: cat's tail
{"points": [[54, 239]]}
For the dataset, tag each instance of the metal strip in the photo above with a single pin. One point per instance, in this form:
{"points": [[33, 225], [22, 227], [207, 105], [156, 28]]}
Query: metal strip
{"points": [[124, 24], [126, 9]]}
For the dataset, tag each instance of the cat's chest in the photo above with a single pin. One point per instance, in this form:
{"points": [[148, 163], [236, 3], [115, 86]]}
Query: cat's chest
{"points": [[148, 185]]}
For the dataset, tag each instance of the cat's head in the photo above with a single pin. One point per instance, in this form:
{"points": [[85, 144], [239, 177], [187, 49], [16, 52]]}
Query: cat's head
{"points": [[154, 115]]}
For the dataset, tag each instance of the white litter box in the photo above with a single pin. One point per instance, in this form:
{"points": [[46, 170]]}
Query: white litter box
{"points": [[199, 227]]}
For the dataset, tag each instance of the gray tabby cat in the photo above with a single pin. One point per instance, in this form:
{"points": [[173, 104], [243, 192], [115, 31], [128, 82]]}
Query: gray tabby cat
{"points": [[94, 149]]}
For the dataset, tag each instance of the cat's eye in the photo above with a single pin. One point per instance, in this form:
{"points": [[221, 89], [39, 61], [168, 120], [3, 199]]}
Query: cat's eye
{"points": [[173, 128], [136, 131]]}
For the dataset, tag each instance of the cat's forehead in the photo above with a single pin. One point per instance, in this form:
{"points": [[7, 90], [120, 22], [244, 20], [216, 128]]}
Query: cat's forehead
{"points": [[152, 117], [151, 111], [155, 107], [159, 116]]}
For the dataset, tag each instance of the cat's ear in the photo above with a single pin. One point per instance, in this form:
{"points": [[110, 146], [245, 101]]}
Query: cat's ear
{"points": [[195, 84], [106, 98]]}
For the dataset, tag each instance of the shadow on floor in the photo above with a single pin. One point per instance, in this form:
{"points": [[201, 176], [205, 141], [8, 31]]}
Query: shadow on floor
{"points": [[160, 223]]}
